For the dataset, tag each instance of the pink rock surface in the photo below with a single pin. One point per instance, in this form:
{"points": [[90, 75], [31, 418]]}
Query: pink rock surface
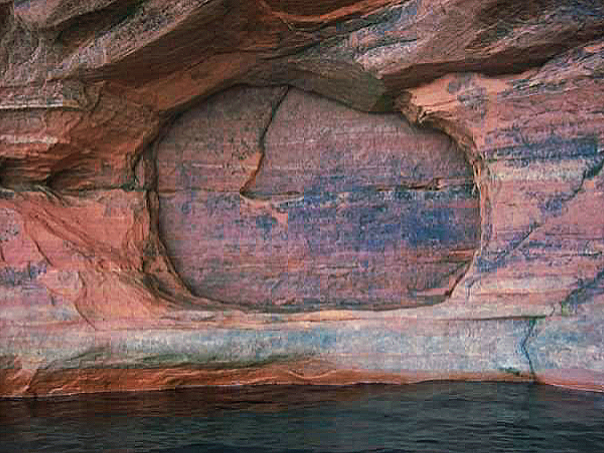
{"points": [[125, 155], [342, 208]]}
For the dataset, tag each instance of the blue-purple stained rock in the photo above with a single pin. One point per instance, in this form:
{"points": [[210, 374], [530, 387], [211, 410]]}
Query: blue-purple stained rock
{"points": [[288, 201]]}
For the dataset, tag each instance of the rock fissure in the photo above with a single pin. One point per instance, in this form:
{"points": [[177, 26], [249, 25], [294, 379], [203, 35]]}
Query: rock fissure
{"points": [[244, 191], [532, 322]]}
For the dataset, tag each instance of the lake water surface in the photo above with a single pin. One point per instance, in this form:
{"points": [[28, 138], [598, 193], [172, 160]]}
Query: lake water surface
{"points": [[429, 417]]}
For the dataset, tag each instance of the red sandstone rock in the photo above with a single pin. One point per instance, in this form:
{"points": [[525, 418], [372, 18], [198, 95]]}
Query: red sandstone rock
{"points": [[536, 139], [337, 209], [67, 135], [94, 272]]}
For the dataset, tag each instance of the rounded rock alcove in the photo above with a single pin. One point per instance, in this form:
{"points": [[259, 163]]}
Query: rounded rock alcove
{"points": [[275, 199]]}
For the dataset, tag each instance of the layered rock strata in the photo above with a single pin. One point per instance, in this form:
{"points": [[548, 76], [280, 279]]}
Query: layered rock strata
{"points": [[215, 192]]}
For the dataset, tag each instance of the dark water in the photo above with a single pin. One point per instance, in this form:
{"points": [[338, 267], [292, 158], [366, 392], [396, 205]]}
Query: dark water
{"points": [[431, 417]]}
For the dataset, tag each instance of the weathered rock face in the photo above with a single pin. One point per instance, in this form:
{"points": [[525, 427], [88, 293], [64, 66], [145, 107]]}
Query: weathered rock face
{"points": [[313, 205], [196, 192]]}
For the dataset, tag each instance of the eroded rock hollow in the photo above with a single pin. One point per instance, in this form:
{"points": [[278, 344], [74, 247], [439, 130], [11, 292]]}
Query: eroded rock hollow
{"points": [[217, 192], [279, 199]]}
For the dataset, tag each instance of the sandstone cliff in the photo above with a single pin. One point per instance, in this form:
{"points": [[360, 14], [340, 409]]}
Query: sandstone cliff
{"points": [[226, 192]]}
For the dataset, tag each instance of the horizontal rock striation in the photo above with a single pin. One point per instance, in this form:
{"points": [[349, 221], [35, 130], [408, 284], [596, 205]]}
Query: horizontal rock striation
{"points": [[201, 192]]}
